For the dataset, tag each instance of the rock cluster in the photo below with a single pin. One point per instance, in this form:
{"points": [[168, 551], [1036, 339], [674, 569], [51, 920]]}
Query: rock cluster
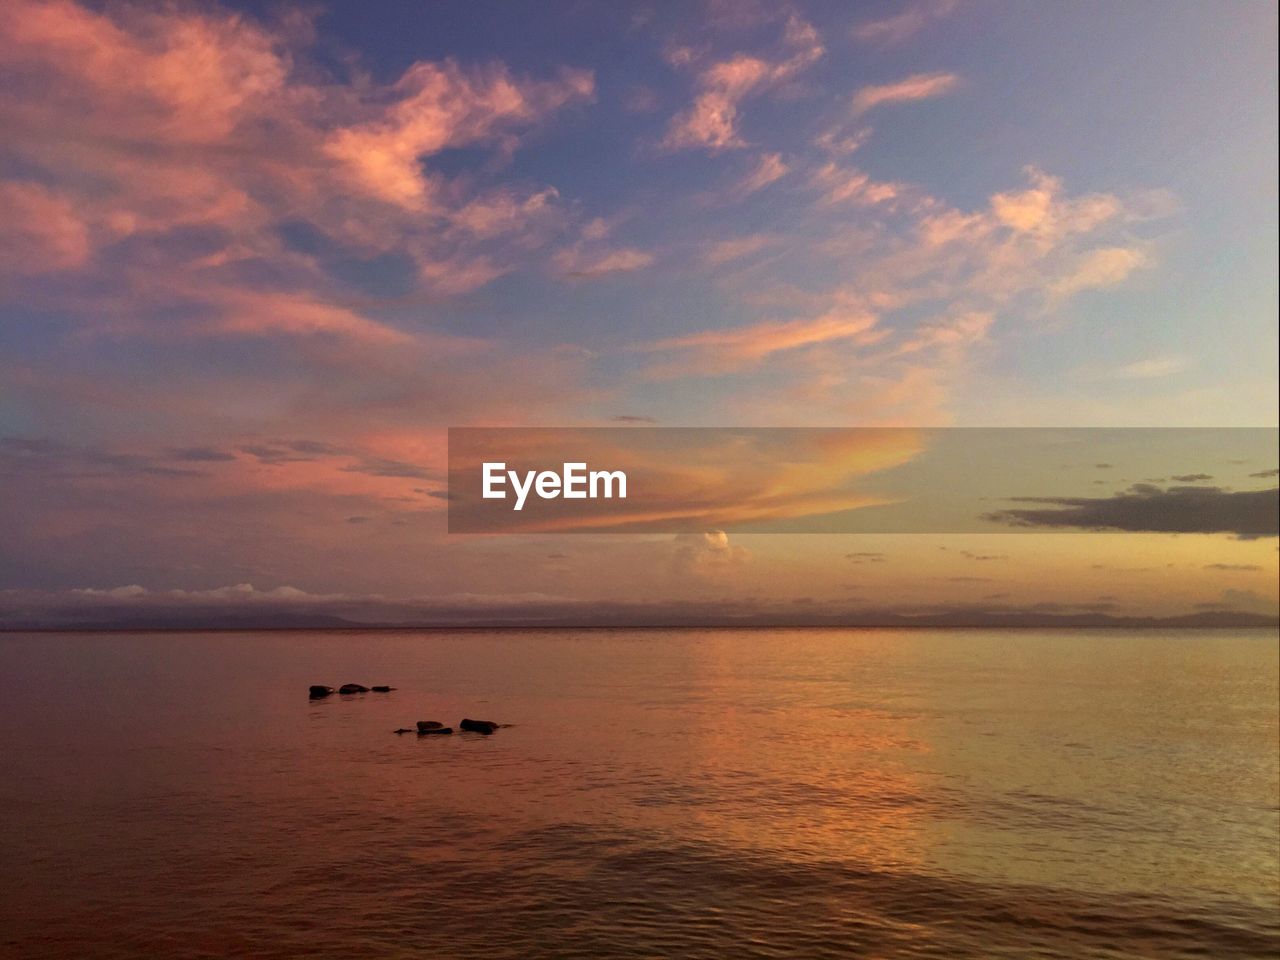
{"points": [[319, 691], [423, 728]]}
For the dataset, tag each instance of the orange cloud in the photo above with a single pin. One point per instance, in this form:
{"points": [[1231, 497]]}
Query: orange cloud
{"points": [[440, 106], [714, 352], [693, 480]]}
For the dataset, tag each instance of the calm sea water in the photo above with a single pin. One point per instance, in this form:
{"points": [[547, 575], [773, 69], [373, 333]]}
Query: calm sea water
{"points": [[681, 793]]}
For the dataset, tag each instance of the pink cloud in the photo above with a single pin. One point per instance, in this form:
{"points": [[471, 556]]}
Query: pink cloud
{"points": [[726, 251], [843, 185], [768, 170], [711, 121], [40, 230], [282, 313], [579, 264], [143, 120], [902, 26], [440, 106], [919, 86]]}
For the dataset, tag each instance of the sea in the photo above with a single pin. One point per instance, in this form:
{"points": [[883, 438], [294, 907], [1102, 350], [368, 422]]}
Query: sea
{"points": [[651, 793]]}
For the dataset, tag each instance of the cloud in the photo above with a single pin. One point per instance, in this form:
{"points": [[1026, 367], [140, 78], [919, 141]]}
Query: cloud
{"points": [[844, 185], [1100, 268], [769, 169], [957, 333], [902, 26], [382, 467], [918, 86], [837, 141], [436, 106], [1241, 600], [41, 231], [170, 153], [1145, 508], [576, 263], [705, 555], [258, 314], [713, 352], [726, 251], [1191, 477], [201, 455], [1153, 368], [711, 122], [44, 459], [1233, 567], [1264, 474]]}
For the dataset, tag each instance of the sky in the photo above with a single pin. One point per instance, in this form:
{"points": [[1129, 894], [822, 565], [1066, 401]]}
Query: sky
{"points": [[255, 259]]}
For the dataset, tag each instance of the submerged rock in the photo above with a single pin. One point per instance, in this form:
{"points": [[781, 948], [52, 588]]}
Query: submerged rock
{"points": [[318, 691], [479, 726], [382, 689], [425, 726], [435, 731], [349, 688], [403, 730]]}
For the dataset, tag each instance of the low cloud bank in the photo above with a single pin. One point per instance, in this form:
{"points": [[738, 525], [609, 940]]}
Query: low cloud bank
{"points": [[1248, 514]]}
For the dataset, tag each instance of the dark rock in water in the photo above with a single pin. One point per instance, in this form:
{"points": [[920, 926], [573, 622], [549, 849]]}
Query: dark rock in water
{"points": [[479, 726], [435, 731], [353, 688], [382, 689], [426, 725], [403, 730], [318, 691]]}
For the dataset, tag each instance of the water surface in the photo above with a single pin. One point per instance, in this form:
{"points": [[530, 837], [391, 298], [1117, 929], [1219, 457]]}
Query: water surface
{"points": [[680, 793]]}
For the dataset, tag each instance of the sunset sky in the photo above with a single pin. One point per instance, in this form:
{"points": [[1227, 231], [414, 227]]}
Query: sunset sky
{"points": [[254, 261]]}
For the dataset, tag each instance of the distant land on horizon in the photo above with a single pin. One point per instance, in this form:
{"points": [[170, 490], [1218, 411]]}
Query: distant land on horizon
{"points": [[612, 618]]}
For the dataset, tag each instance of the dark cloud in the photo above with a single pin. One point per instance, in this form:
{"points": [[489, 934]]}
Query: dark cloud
{"points": [[970, 555], [628, 418], [274, 454], [1192, 478], [44, 457], [1264, 474], [314, 447], [378, 467], [1234, 567], [1145, 508], [200, 455]]}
